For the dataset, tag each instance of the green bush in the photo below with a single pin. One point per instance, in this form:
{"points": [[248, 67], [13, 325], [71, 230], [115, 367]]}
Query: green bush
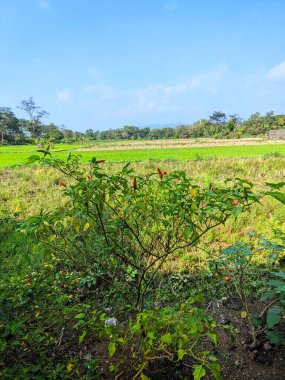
{"points": [[122, 227]]}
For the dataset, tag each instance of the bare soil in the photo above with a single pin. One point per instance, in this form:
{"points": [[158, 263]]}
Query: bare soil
{"points": [[239, 358]]}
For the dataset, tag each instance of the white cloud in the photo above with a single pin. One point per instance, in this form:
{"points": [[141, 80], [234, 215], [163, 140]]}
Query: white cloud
{"points": [[163, 98], [277, 73], [165, 101], [64, 95], [102, 91], [44, 4]]}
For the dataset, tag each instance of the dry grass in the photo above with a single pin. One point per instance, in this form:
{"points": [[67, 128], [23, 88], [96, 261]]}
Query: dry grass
{"points": [[177, 143]]}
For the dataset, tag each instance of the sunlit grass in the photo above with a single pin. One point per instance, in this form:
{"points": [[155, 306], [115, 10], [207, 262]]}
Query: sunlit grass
{"points": [[25, 190], [9, 156]]}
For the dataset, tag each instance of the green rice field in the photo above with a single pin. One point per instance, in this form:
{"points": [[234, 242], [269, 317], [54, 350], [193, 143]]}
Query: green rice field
{"points": [[10, 156]]}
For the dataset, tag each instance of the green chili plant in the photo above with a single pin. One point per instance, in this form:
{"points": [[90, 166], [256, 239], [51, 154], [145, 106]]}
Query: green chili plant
{"points": [[123, 226]]}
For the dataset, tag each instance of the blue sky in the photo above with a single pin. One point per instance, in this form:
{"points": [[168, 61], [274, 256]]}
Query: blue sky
{"points": [[103, 64]]}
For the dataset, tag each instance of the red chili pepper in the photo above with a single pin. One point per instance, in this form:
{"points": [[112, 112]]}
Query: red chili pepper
{"points": [[160, 175]]}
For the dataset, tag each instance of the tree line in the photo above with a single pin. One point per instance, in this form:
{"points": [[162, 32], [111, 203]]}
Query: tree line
{"points": [[32, 129]]}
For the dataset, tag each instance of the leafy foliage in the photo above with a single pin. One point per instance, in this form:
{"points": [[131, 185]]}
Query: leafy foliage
{"points": [[276, 312], [121, 224], [110, 239], [165, 333]]}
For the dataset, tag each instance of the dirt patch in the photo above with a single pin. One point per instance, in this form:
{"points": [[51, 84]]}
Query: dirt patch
{"points": [[238, 356]]}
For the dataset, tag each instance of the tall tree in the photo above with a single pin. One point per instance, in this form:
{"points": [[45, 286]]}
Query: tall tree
{"points": [[218, 117], [35, 114], [9, 125]]}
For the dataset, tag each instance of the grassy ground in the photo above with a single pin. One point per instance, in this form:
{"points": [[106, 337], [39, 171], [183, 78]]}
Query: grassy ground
{"points": [[10, 156], [34, 188], [26, 190]]}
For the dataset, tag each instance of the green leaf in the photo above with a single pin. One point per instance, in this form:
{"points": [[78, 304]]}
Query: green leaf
{"points": [[33, 158], [150, 335], [82, 336], [199, 372], [256, 321], [213, 337], [80, 316], [277, 195], [279, 274], [181, 353], [126, 166], [282, 301], [275, 185], [111, 348], [272, 319], [275, 337], [268, 295], [186, 233], [44, 151], [215, 370], [167, 338], [275, 283], [275, 310]]}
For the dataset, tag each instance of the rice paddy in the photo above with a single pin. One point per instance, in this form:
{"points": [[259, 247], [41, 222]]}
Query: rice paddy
{"points": [[18, 155]]}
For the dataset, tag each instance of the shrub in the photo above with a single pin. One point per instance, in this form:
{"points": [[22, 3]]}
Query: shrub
{"points": [[121, 227]]}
